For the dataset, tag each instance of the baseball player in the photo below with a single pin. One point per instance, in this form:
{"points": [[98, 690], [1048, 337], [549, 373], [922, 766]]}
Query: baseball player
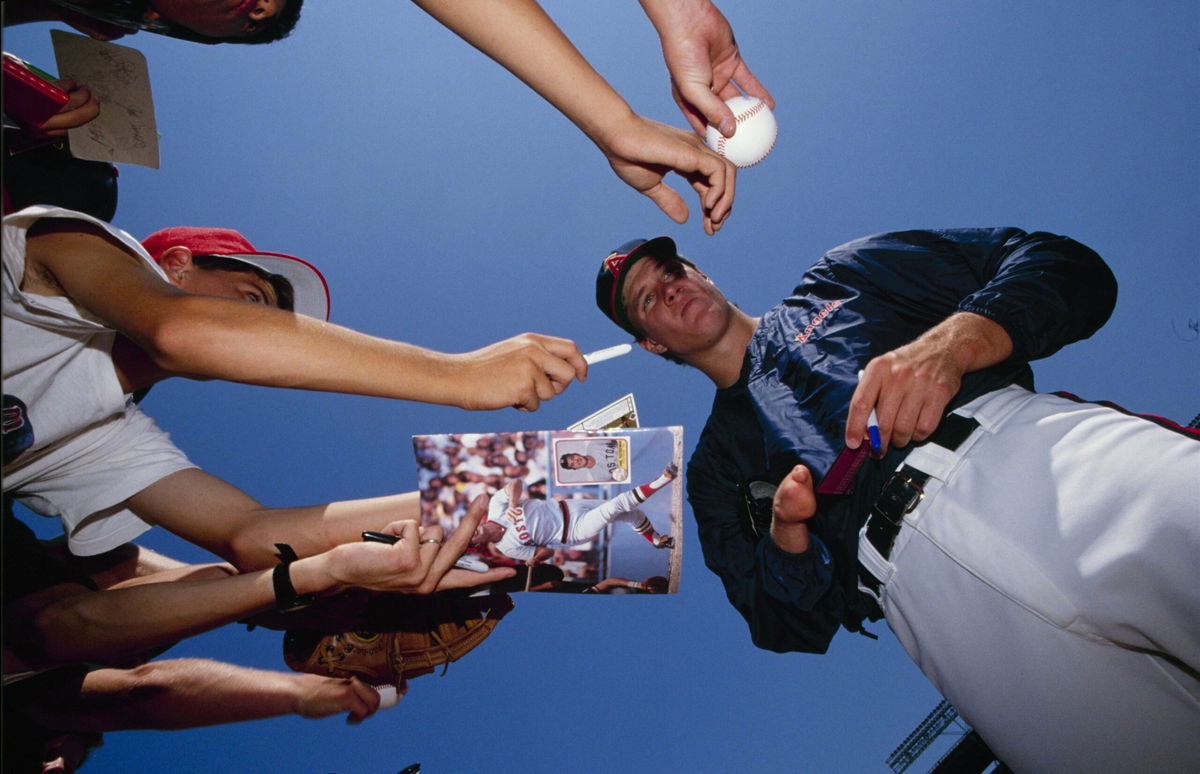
{"points": [[528, 529], [1048, 587]]}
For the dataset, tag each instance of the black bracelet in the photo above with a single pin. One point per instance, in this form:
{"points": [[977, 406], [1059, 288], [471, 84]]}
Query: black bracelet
{"points": [[286, 598]]}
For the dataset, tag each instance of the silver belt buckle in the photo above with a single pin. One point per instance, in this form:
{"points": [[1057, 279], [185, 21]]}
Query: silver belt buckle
{"points": [[917, 495]]}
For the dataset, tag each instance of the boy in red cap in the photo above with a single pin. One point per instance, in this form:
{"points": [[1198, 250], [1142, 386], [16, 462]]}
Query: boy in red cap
{"points": [[92, 317]]}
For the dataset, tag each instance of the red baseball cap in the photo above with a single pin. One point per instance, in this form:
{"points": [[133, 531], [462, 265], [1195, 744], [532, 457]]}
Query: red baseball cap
{"points": [[311, 290]]}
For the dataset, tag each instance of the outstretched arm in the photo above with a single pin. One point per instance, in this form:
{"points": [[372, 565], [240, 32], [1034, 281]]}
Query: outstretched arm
{"points": [[225, 338], [189, 693], [219, 517], [519, 36], [68, 623], [703, 59]]}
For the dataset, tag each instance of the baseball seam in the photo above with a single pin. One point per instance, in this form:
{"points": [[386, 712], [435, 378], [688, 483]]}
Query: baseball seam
{"points": [[752, 111]]}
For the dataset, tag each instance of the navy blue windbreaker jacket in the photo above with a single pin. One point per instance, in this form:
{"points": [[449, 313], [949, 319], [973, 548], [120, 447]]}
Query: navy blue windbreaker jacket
{"points": [[789, 406]]}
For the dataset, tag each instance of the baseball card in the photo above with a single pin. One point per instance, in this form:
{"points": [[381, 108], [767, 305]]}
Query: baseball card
{"points": [[619, 414], [591, 460], [126, 130], [593, 512]]}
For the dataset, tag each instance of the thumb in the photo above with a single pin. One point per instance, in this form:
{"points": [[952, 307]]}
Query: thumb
{"points": [[712, 107], [669, 201], [795, 500]]}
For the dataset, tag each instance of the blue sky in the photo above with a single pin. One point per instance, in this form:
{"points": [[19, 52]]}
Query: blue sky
{"points": [[449, 206]]}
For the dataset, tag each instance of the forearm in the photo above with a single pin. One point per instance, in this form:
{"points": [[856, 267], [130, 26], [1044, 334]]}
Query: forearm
{"points": [[114, 625], [791, 537], [523, 39], [178, 693], [784, 602], [221, 518], [673, 17], [311, 530], [250, 344], [969, 341]]}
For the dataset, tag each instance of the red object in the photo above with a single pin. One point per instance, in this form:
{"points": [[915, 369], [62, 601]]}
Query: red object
{"points": [[29, 98]]}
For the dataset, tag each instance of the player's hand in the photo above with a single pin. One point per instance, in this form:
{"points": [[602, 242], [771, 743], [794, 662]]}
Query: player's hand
{"points": [[910, 387], [521, 372], [794, 504], [80, 108], [318, 696], [703, 60], [642, 152]]}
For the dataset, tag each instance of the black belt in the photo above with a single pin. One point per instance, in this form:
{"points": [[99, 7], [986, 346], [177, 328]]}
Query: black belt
{"points": [[905, 489]]}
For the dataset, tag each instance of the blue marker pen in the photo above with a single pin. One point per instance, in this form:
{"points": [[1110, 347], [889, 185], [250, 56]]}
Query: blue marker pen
{"points": [[872, 426], [873, 431]]}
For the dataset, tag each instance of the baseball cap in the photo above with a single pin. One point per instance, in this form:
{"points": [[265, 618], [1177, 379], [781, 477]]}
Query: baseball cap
{"points": [[311, 291], [610, 281]]}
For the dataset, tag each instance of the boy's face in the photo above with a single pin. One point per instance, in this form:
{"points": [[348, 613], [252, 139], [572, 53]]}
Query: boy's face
{"points": [[217, 18], [675, 305], [242, 285]]}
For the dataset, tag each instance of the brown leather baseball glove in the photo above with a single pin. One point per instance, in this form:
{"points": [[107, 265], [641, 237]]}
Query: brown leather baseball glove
{"points": [[412, 637]]}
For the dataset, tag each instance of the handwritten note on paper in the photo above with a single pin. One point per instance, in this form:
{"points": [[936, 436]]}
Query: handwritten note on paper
{"points": [[125, 131]]}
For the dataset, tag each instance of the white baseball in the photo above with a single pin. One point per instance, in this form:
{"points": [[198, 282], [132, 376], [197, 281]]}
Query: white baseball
{"points": [[755, 135], [388, 696]]}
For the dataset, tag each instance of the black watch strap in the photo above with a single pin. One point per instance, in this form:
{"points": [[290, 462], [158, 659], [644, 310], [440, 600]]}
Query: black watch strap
{"points": [[286, 598]]}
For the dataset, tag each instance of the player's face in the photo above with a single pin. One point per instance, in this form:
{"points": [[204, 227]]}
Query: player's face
{"points": [[574, 461], [675, 305], [218, 18], [487, 532]]}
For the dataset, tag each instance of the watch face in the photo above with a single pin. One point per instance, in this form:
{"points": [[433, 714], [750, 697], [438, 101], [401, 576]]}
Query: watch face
{"points": [[758, 497]]}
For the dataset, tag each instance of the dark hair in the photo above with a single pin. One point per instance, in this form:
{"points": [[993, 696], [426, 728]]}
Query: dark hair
{"points": [[284, 293], [276, 28], [563, 460]]}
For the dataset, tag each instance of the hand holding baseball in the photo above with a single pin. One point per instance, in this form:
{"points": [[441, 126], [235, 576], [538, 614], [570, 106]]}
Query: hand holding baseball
{"points": [[704, 62], [318, 696], [756, 134]]}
